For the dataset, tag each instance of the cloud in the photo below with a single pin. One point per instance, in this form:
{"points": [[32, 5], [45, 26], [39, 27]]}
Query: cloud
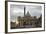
{"points": [[18, 10], [34, 10]]}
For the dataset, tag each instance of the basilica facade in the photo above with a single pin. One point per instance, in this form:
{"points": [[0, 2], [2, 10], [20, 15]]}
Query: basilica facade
{"points": [[27, 20]]}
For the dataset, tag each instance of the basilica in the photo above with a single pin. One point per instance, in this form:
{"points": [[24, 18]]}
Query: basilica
{"points": [[27, 21]]}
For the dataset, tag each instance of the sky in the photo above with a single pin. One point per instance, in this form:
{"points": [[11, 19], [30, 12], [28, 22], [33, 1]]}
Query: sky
{"points": [[18, 10]]}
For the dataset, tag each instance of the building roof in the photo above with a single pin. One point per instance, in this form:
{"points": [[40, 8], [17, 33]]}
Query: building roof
{"points": [[28, 14]]}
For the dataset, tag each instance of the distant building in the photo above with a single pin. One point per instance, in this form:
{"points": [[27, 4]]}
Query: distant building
{"points": [[13, 25], [27, 20], [39, 22]]}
